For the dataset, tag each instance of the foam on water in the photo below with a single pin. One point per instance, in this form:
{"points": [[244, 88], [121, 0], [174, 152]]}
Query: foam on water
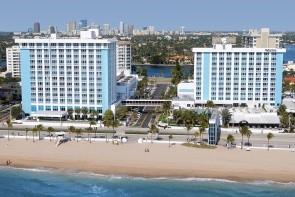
{"points": [[44, 182]]}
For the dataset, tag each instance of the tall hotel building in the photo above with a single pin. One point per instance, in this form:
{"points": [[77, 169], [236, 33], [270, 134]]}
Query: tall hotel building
{"points": [[13, 61], [124, 57], [227, 75], [59, 74]]}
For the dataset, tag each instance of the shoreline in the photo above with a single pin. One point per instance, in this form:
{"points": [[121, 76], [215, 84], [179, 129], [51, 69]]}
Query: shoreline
{"points": [[126, 176], [130, 160]]}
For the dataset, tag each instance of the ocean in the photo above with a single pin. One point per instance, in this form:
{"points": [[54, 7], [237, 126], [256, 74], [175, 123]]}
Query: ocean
{"points": [[41, 182]]}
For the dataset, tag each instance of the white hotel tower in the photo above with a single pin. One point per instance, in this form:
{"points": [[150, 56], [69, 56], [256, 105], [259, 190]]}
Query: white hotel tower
{"points": [[59, 74], [227, 75]]}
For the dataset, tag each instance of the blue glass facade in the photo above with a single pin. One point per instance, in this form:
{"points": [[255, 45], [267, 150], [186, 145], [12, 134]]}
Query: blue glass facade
{"points": [[26, 81]]}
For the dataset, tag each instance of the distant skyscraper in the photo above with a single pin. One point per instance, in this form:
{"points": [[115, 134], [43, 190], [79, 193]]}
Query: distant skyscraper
{"points": [[36, 27], [30, 30], [182, 30], [130, 29], [106, 29], [151, 30], [83, 23], [50, 30], [121, 29], [71, 27]]}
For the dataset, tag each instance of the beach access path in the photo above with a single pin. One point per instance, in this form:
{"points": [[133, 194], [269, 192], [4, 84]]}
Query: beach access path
{"points": [[161, 160]]}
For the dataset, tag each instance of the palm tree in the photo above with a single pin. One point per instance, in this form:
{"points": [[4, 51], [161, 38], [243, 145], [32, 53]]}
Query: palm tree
{"points": [[35, 131], [39, 129], [269, 137], [70, 112], [93, 122], [115, 123], [9, 125], [108, 117], [230, 139], [166, 106], [94, 113], [154, 129], [188, 128], [170, 137], [89, 129], [210, 104], [196, 134], [248, 134], [177, 115], [243, 130], [202, 129], [71, 129], [78, 131], [49, 130], [27, 133], [77, 112], [84, 112], [225, 116]]}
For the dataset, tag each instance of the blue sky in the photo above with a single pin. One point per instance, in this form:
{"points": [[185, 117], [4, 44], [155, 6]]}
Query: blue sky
{"points": [[198, 15]]}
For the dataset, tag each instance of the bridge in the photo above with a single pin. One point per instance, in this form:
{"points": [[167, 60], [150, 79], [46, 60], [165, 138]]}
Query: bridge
{"points": [[143, 102]]}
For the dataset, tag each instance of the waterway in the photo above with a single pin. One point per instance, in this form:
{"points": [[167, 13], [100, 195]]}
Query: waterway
{"points": [[290, 53], [162, 71]]}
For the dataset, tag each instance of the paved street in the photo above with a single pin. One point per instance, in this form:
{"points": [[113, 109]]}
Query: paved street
{"points": [[158, 91]]}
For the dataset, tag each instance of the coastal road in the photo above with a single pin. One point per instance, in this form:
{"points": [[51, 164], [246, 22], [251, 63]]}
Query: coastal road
{"points": [[281, 140], [145, 117]]}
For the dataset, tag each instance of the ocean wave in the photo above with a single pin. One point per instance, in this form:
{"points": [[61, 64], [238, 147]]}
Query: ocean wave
{"points": [[111, 177], [99, 190], [269, 183], [47, 170]]}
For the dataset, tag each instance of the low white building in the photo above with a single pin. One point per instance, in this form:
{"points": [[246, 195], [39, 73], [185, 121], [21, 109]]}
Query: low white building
{"points": [[185, 95], [185, 103], [126, 86], [185, 90]]}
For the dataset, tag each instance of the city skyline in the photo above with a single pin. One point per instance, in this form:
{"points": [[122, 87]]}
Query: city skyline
{"points": [[210, 15]]}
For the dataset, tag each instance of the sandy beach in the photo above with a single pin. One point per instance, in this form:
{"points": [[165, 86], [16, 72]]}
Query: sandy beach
{"points": [[161, 161]]}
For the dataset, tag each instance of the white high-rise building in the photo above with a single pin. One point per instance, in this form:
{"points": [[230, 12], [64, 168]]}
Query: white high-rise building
{"points": [[106, 29], [124, 58], [71, 28], [262, 39], [121, 28], [60, 74], [182, 30], [13, 61], [227, 75]]}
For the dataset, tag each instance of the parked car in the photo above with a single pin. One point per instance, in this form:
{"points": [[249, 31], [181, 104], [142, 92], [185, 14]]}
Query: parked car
{"points": [[247, 144]]}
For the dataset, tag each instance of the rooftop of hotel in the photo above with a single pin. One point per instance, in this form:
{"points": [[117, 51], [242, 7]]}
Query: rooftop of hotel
{"points": [[125, 79]]}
